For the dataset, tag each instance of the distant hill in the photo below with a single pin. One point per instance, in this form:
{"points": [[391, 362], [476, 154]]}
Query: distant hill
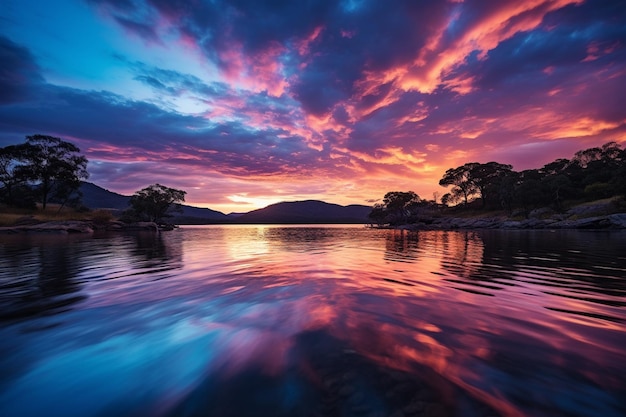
{"points": [[295, 212], [235, 214], [309, 211], [96, 197], [198, 215]]}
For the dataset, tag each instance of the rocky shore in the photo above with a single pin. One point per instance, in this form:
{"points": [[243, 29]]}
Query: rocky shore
{"points": [[611, 221], [607, 214], [79, 226], [591, 216]]}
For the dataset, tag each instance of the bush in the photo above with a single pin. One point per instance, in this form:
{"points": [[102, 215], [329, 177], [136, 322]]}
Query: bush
{"points": [[598, 190]]}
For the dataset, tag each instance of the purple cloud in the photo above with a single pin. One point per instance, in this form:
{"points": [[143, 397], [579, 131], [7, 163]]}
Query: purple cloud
{"points": [[355, 95], [19, 74]]}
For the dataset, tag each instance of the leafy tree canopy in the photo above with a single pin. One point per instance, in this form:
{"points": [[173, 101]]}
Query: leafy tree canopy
{"points": [[51, 166], [13, 188], [461, 180], [396, 207], [153, 202], [592, 173], [400, 200]]}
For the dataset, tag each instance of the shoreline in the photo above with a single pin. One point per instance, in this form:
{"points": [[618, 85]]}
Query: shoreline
{"points": [[80, 227], [615, 221]]}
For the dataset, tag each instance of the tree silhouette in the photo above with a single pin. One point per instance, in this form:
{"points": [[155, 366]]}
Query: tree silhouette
{"points": [[53, 165], [153, 202], [13, 188], [396, 207], [487, 177], [461, 180]]}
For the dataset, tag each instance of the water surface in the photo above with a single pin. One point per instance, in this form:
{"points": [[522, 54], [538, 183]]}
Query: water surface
{"points": [[313, 321]]}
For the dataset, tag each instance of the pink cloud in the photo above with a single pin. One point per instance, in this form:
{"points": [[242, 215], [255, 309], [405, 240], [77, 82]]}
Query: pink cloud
{"points": [[438, 57], [259, 72], [304, 46]]}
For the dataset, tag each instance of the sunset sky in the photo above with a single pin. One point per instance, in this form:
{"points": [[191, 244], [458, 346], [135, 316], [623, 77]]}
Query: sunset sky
{"points": [[244, 103]]}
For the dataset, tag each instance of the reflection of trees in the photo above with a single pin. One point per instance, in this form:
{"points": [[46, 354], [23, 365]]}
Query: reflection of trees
{"points": [[579, 265], [401, 245], [162, 250], [463, 252], [38, 274], [58, 270], [579, 260], [41, 273], [149, 246]]}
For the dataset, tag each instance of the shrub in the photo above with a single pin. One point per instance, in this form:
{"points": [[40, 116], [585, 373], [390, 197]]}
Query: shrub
{"points": [[598, 190]]}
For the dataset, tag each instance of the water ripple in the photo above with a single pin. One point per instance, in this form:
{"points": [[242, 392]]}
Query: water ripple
{"points": [[317, 320]]}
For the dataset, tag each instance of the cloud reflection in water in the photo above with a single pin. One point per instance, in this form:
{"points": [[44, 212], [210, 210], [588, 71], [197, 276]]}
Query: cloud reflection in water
{"points": [[318, 321]]}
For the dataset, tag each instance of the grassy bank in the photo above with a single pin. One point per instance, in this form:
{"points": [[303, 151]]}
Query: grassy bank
{"points": [[10, 216]]}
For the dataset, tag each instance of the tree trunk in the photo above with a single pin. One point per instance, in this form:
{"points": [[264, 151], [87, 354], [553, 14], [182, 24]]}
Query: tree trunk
{"points": [[44, 194]]}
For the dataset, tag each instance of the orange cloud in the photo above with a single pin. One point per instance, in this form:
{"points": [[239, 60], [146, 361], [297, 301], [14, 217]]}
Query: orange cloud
{"points": [[544, 123], [435, 59], [467, 128]]}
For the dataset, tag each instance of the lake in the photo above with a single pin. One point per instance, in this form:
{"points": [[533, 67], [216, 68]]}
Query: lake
{"points": [[313, 321]]}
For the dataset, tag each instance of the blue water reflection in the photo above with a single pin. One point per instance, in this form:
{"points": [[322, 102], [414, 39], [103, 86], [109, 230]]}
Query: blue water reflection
{"points": [[313, 321]]}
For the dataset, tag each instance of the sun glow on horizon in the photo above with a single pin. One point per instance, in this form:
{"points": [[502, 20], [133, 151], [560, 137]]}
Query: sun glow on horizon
{"points": [[207, 93]]}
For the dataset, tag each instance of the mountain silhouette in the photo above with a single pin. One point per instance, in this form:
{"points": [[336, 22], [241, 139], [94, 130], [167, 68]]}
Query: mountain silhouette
{"points": [[294, 212], [96, 197], [309, 211]]}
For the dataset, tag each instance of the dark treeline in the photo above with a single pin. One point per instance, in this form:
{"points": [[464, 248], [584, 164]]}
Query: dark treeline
{"points": [[592, 174], [45, 169]]}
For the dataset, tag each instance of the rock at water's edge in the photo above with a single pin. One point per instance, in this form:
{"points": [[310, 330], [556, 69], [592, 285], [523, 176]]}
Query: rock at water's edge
{"points": [[67, 227]]}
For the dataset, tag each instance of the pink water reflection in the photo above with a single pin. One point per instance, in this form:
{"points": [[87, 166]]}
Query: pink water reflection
{"points": [[517, 322], [440, 300]]}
